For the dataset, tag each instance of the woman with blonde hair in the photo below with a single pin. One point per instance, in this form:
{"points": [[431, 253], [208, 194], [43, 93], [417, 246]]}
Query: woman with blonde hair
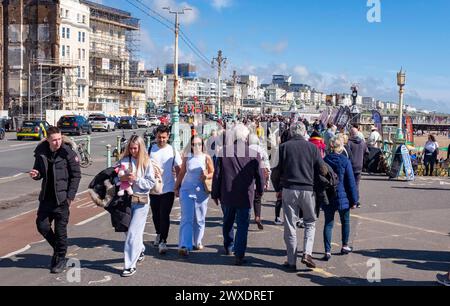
{"points": [[139, 174], [345, 199]]}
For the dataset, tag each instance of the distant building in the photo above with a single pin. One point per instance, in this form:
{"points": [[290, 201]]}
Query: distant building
{"points": [[185, 70]]}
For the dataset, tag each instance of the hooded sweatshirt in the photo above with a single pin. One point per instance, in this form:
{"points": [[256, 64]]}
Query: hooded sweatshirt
{"points": [[358, 148]]}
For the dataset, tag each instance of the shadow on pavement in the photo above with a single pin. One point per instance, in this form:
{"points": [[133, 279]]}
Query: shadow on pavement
{"points": [[29, 261], [353, 281], [413, 259], [91, 243], [218, 258]]}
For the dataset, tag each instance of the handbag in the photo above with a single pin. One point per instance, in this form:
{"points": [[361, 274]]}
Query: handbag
{"points": [[208, 182], [159, 185], [141, 199]]}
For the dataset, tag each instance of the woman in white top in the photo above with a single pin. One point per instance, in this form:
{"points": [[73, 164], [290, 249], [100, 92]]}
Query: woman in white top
{"points": [[190, 188], [141, 176], [430, 155]]}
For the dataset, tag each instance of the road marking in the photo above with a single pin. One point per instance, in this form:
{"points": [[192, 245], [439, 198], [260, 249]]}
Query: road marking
{"points": [[27, 247], [401, 225], [230, 282], [24, 213], [12, 177], [106, 279], [92, 219], [444, 183], [323, 272], [268, 276], [20, 145]]}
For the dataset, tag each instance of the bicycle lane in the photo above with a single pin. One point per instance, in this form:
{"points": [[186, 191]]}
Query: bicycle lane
{"points": [[19, 232]]}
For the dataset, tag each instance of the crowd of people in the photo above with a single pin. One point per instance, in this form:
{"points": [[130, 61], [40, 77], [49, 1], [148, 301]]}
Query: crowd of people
{"points": [[311, 168]]}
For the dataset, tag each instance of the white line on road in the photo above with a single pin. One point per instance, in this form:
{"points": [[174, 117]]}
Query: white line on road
{"points": [[27, 247], [11, 177], [92, 219], [401, 225]]}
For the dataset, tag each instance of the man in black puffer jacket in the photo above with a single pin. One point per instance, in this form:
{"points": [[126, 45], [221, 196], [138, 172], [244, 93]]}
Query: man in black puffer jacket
{"points": [[57, 164], [358, 149]]}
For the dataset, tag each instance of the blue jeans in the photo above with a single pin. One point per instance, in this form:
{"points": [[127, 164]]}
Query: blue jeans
{"points": [[330, 211], [242, 218], [193, 220]]}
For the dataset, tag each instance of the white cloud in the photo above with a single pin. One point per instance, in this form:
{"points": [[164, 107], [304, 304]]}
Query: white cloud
{"points": [[276, 48], [382, 89], [221, 4]]}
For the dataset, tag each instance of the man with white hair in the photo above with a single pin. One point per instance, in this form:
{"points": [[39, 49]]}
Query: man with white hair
{"points": [[236, 173], [299, 162]]}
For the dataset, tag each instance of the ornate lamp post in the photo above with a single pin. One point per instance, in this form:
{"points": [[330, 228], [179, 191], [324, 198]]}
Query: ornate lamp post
{"points": [[401, 81], [354, 110]]}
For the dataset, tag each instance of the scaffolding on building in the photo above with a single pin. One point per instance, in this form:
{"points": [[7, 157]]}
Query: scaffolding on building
{"points": [[114, 46], [50, 86]]}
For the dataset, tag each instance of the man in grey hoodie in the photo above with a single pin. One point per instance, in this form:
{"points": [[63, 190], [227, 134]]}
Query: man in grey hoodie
{"points": [[358, 148]]}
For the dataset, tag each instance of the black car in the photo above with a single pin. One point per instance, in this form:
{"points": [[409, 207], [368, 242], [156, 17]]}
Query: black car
{"points": [[128, 123], [73, 124]]}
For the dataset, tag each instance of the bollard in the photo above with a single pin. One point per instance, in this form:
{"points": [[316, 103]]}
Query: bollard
{"points": [[148, 142], [108, 156], [88, 143], [118, 145]]}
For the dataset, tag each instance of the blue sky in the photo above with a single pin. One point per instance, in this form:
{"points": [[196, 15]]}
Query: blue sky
{"points": [[327, 44]]}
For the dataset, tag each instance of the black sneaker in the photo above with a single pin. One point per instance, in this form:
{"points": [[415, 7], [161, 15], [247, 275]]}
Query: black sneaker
{"points": [[53, 262], [60, 265], [239, 261], [141, 257], [327, 257], [300, 224], [128, 272], [289, 268]]}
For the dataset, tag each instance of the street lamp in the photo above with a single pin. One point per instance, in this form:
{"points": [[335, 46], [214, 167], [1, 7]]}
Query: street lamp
{"points": [[401, 81], [354, 110]]}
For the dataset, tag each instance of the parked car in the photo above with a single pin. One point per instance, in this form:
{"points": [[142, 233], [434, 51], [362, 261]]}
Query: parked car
{"points": [[154, 121], [128, 123], [36, 129], [102, 123], [73, 124], [2, 128], [142, 122]]}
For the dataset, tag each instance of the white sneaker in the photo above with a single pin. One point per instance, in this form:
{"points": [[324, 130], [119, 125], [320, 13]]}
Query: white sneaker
{"points": [[162, 248], [129, 272], [157, 241], [278, 221]]}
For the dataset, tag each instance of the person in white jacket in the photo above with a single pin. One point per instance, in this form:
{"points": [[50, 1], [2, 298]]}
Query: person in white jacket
{"points": [[375, 138], [141, 176]]}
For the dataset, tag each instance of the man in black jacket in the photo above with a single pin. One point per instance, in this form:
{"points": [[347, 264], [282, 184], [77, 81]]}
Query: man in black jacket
{"points": [[358, 149], [299, 164], [58, 166]]}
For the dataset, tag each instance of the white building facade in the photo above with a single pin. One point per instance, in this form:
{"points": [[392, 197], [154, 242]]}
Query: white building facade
{"points": [[74, 50]]}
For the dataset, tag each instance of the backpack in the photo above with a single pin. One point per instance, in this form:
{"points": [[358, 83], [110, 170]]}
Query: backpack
{"points": [[332, 184]]}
